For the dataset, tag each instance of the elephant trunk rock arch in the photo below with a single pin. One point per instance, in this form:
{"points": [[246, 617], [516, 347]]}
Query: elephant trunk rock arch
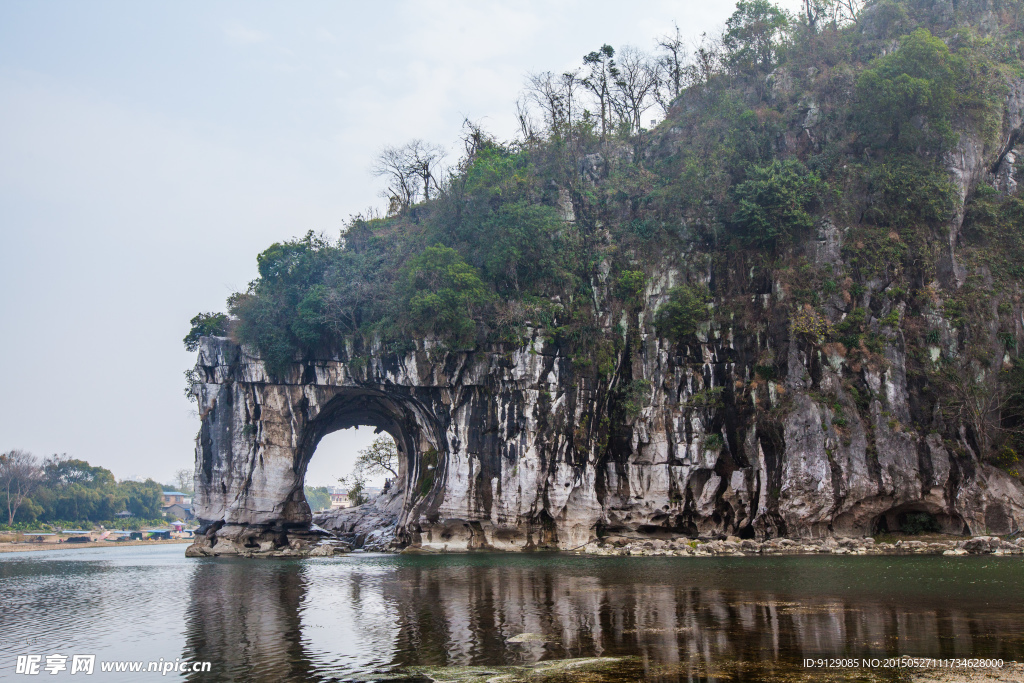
{"points": [[507, 448], [258, 436]]}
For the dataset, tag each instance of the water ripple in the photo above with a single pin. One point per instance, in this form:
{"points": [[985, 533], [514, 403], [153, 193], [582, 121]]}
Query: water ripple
{"points": [[358, 617]]}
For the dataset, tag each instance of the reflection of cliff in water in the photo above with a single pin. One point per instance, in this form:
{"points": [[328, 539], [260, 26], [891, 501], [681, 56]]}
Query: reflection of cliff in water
{"points": [[246, 620], [466, 616], [314, 620]]}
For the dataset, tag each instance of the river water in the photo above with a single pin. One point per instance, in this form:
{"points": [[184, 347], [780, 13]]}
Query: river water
{"points": [[379, 617]]}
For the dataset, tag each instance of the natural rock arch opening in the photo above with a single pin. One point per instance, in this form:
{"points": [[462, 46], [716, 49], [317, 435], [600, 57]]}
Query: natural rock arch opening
{"points": [[918, 517], [402, 419], [337, 460], [370, 413], [259, 434]]}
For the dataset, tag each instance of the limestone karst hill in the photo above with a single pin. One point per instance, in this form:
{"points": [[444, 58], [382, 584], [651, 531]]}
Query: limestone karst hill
{"points": [[791, 308]]}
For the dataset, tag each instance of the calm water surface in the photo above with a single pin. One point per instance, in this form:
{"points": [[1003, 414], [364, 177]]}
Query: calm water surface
{"points": [[364, 617]]}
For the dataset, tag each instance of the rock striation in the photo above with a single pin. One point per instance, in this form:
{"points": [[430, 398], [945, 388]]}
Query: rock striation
{"points": [[500, 448]]}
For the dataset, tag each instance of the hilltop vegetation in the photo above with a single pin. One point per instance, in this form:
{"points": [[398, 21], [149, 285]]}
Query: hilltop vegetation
{"points": [[842, 116]]}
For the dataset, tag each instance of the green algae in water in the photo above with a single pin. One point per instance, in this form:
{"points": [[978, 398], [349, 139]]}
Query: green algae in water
{"points": [[630, 669], [597, 669]]}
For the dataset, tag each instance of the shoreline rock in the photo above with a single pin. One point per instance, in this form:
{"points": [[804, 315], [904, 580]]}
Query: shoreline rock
{"points": [[384, 542], [978, 545]]}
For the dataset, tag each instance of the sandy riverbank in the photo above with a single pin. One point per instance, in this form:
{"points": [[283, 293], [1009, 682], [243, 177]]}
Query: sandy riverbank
{"points": [[28, 547]]}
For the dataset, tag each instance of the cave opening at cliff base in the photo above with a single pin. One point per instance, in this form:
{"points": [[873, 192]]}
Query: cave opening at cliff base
{"points": [[915, 518]]}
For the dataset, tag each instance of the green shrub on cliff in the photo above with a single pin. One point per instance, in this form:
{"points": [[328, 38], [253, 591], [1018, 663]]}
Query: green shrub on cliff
{"points": [[773, 204], [913, 99], [205, 325], [311, 292], [686, 309], [993, 225], [269, 312], [521, 248], [909, 192], [498, 173], [441, 291], [906, 98], [630, 286]]}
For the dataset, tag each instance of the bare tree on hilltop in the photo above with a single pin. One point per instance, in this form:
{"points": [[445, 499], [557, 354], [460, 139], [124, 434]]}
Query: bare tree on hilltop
{"points": [[413, 168], [836, 12], [672, 68], [635, 87], [601, 80], [613, 90], [553, 95]]}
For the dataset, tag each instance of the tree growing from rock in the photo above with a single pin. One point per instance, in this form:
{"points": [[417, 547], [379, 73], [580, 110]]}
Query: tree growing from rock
{"points": [[205, 325], [600, 81], [754, 35], [635, 86], [672, 63], [707, 60], [555, 96], [379, 458], [442, 290], [819, 13], [686, 309], [356, 484]]}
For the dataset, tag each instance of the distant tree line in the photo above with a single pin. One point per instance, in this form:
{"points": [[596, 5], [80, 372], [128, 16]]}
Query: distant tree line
{"points": [[60, 489], [317, 497]]}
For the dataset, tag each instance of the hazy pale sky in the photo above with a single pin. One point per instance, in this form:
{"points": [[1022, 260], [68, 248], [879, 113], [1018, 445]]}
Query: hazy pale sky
{"points": [[149, 151]]}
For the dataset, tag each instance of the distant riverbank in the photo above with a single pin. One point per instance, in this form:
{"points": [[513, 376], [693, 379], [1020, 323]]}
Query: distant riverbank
{"points": [[21, 547]]}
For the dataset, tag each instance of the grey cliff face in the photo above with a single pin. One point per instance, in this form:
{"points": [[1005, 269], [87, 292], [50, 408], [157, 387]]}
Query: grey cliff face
{"points": [[501, 448]]}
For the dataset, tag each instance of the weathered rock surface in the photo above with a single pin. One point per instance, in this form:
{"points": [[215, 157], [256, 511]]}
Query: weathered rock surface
{"points": [[371, 526], [500, 449]]}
